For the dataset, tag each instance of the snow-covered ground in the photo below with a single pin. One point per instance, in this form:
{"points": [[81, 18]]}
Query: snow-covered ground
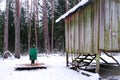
{"points": [[56, 69]]}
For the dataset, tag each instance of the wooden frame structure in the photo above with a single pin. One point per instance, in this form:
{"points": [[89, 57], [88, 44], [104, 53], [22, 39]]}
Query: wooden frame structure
{"points": [[92, 27]]}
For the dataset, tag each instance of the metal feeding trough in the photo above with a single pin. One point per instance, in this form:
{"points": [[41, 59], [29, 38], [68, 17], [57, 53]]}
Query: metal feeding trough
{"points": [[33, 65]]}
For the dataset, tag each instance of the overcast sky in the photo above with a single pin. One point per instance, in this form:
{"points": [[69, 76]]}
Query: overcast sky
{"points": [[3, 5]]}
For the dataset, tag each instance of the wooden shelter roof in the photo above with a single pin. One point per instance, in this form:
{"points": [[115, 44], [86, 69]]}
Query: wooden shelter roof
{"points": [[80, 4]]}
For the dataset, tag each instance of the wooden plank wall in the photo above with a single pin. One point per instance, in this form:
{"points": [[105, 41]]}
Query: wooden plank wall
{"points": [[89, 29], [83, 30], [94, 27], [109, 25]]}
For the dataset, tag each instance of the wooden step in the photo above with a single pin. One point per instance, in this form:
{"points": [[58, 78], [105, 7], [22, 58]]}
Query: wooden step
{"points": [[83, 60]]}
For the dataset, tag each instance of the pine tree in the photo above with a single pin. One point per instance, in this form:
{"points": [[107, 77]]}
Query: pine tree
{"points": [[6, 26], [1, 31], [45, 22], [53, 9], [17, 29]]}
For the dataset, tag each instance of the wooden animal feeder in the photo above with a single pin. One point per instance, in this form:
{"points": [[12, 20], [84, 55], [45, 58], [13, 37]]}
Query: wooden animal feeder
{"points": [[92, 27]]}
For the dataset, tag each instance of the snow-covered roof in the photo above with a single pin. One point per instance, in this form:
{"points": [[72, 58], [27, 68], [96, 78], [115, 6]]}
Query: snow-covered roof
{"points": [[82, 3]]}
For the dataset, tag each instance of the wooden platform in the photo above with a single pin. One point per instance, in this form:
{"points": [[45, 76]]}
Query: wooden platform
{"points": [[30, 67]]}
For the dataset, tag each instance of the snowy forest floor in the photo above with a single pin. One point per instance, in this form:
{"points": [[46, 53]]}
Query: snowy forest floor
{"points": [[56, 69]]}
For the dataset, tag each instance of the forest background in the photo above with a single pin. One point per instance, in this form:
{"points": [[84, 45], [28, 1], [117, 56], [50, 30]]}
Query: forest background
{"points": [[31, 23]]}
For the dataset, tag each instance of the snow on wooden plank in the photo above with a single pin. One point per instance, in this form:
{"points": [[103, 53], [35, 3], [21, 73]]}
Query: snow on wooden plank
{"points": [[82, 3]]}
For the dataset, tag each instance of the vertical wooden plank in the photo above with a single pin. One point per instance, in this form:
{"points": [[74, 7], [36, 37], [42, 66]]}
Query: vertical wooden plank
{"points": [[67, 38], [98, 61], [114, 25], [99, 51], [107, 26], [81, 31], [102, 24], [66, 34], [92, 25], [70, 22], [118, 8], [111, 21], [88, 30], [95, 26], [85, 27], [76, 32], [72, 34]]}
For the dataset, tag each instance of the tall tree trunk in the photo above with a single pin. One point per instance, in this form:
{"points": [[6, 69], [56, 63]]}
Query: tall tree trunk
{"points": [[29, 27], [66, 4], [45, 22], [27, 15], [17, 29], [79, 0], [35, 20], [6, 27], [53, 5]]}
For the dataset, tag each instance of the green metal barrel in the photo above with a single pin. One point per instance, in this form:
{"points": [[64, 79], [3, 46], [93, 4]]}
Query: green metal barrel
{"points": [[33, 54]]}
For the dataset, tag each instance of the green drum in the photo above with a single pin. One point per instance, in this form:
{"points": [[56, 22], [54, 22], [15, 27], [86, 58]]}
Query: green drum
{"points": [[33, 54]]}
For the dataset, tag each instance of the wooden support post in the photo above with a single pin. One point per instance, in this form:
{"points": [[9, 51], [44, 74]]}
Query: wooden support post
{"points": [[66, 58], [98, 61]]}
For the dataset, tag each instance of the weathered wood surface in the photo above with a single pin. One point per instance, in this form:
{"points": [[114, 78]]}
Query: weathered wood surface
{"points": [[118, 10], [66, 34], [107, 26], [93, 27], [76, 33], [70, 34], [102, 22], [88, 30], [73, 34], [114, 32], [81, 32], [111, 26]]}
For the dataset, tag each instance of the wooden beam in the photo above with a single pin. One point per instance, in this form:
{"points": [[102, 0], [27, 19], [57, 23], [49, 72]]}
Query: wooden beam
{"points": [[112, 58], [104, 60], [67, 59], [98, 61]]}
